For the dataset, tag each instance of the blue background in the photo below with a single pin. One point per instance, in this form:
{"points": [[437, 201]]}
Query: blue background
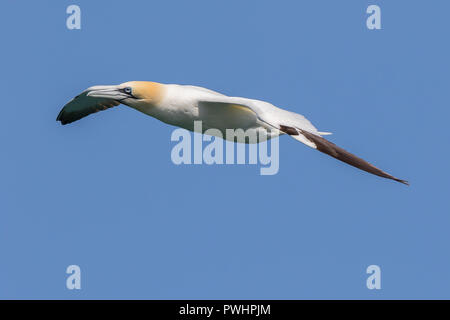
{"points": [[103, 193]]}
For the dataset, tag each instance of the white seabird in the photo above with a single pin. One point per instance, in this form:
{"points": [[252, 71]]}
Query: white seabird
{"points": [[181, 105]]}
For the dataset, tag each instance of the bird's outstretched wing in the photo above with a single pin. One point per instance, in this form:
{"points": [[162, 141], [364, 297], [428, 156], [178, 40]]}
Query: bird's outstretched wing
{"points": [[301, 129], [83, 105], [267, 113], [327, 147]]}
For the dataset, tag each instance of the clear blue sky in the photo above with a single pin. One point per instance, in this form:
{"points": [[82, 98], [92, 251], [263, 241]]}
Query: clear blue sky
{"points": [[103, 194]]}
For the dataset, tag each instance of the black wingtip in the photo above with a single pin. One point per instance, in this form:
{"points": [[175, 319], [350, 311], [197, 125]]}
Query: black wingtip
{"points": [[61, 121], [63, 117], [60, 115], [402, 181], [333, 150]]}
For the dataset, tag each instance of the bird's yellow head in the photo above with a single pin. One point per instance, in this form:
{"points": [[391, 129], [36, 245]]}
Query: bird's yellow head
{"points": [[150, 92], [131, 93]]}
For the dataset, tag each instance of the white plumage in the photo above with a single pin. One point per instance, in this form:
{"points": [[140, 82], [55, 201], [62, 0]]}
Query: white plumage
{"points": [[182, 105]]}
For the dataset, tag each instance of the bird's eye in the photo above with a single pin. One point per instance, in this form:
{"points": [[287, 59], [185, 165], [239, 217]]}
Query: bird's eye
{"points": [[127, 90]]}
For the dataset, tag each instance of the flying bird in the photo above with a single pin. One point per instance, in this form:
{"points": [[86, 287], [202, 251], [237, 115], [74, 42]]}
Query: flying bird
{"points": [[181, 105]]}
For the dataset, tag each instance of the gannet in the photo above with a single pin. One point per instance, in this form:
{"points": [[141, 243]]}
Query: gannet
{"points": [[181, 105]]}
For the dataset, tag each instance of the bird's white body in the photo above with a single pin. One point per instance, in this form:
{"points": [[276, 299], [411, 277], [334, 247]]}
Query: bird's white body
{"points": [[183, 105]]}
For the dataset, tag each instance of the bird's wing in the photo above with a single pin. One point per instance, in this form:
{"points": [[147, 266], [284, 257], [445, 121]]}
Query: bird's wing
{"points": [[83, 105], [265, 112], [327, 147], [301, 129]]}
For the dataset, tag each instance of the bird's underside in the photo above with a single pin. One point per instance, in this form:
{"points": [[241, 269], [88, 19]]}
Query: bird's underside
{"points": [[178, 108]]}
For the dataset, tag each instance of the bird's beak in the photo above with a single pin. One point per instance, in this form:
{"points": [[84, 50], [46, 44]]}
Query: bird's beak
{"points": [[108, 92]]}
